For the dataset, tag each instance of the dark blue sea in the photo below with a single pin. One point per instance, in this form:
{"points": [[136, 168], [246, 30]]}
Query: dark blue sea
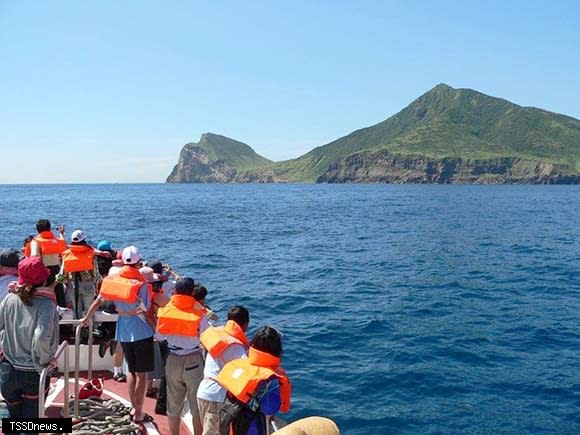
{"points": [[404, 309]]}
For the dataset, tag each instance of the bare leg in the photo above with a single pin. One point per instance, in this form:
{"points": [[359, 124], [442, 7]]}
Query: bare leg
{"points": [[118, 356], [174, 423], [131, 384], [197, 426], [139, 395]]}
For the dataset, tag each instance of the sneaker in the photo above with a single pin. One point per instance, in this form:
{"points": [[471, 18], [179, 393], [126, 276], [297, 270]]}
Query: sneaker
{"points": [[61, 310], [120, 377]]}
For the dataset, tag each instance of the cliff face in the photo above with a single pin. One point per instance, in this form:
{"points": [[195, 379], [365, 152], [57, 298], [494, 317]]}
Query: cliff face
{"points": [[454, 122], [491, 139], [195, 166], [385, 167]]}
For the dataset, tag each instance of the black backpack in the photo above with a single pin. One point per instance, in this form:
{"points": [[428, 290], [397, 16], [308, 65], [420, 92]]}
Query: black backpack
{"points": [[238, 416]]}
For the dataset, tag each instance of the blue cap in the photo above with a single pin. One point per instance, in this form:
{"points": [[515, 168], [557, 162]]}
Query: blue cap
{"points": [[104, 245]]}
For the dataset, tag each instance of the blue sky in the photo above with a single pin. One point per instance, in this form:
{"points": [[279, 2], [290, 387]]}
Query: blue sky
{"points": [[110, 91]]}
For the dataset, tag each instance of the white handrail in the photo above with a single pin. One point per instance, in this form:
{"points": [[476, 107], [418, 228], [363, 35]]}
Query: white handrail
{"points": [[77, 356], [77, 361], [41, 384]]}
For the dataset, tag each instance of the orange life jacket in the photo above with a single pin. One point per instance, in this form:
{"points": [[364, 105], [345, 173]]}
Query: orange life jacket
{"points": [[49, 244], [181, 316], [123, 287], [27, 250], [241, 377], [217, 339], [78, 258]]}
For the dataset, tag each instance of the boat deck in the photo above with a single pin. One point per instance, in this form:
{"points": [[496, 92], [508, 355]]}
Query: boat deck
{"points": [[114, 390]]}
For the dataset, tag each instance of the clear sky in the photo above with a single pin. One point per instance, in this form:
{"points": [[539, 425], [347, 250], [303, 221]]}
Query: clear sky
{"points": [[109, 91]]}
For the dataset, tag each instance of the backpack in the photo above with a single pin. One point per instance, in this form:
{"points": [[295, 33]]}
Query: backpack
{"points": [[236, 417]]}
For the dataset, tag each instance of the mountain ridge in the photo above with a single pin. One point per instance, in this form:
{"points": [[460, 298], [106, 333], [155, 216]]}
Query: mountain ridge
{"points": [[443, 123]]}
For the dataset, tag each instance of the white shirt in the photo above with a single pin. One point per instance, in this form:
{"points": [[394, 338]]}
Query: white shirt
{"points": [[168, 287], [209, 389]]}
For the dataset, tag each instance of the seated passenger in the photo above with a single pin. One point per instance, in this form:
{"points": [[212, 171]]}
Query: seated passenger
{"points": [[257, 386]]}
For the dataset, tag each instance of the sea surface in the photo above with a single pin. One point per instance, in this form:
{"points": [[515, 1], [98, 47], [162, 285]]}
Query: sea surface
{"points": [[404, 308]]}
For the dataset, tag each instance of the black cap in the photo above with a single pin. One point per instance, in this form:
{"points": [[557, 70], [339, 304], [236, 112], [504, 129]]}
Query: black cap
{"points": [[156, 266], [9, 257], [184, 285]]}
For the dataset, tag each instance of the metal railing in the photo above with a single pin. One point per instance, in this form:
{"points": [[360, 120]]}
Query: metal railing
{"points": [[77, 362], [54, 364], [42, 383]]}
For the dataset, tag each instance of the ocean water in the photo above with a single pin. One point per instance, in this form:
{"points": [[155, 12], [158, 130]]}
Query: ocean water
{"points": [[404, 309]]}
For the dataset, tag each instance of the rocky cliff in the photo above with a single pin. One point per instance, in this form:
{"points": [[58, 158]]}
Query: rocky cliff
{"points": [[386, 167], [195, 166], [491, 141]]}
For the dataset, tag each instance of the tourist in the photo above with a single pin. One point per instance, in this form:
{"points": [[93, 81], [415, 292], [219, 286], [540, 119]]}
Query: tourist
{"points": [[155, 281], [9, 259], [28, 336], [167, 287], [223, 344], [199, 294], [79, 269], [25, 250], [169, 273], [158, 299], [49, 247], [109, 263], [180, 322], [130, 293], [116, 264], [110, 308], [105, 256], [257, 386]]}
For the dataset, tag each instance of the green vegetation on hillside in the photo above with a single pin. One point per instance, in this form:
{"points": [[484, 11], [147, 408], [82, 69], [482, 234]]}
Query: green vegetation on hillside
{"points": [[444, 122], [447, 122], [236, 154]]}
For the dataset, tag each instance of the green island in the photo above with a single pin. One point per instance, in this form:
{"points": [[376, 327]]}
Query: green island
{"points": [[446, 135]]}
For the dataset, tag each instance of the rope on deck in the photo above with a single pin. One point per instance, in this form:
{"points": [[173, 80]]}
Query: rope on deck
{"points": [[102, 417]]}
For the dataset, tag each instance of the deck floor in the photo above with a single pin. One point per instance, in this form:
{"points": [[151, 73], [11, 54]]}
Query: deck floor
{"points": [[114, 390]]}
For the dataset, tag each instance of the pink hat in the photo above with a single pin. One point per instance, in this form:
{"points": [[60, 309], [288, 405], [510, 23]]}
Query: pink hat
{"points": [[31, 271]]}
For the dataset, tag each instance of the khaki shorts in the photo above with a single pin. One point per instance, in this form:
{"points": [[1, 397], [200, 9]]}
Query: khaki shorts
{"points": [[183, 375], [209, 413]]}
